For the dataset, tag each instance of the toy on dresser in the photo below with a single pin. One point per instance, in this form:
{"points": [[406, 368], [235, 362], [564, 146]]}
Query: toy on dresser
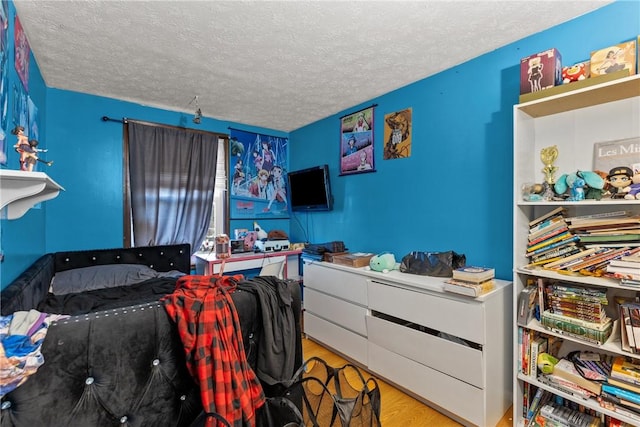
{"points": [[383, 262]]}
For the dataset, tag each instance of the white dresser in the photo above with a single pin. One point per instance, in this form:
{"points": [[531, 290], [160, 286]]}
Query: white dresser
{"points": [[452, 352]]}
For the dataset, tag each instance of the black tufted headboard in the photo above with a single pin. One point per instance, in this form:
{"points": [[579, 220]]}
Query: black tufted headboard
{"points": [[32, 285], [160, 258]]}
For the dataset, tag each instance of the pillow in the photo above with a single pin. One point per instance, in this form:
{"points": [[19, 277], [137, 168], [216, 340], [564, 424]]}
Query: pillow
{"points": [[100, 276]]}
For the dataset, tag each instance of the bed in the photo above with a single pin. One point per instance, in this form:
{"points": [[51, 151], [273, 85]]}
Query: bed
{"points": [[117, 358]]}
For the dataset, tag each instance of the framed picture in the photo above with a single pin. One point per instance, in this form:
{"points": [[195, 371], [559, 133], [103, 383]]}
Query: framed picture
{"points": [[356, 142]]}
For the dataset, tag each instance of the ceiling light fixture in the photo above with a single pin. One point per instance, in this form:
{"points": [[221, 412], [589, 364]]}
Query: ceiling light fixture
{"points": [[197, 117]]}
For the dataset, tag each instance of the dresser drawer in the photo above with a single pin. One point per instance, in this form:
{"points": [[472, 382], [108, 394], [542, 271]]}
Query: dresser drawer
{"points": [[460, 317], [451, 394], [344, 341], [342, 284], [340, 312], [451, 358]]}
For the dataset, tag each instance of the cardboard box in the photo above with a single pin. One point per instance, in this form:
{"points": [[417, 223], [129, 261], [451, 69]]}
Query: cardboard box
{"points": [[576, 72], [353, 260], [614, 58], [540, 71]]}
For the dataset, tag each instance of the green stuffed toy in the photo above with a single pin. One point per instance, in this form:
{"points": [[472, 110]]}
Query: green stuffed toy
{"points": [[581, 185], [383, 262]]}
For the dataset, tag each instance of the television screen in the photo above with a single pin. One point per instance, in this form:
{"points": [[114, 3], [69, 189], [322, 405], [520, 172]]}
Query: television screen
{"points": [[309, 189]]}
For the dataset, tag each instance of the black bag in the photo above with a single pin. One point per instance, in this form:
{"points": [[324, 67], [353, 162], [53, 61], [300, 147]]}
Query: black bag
{"points": [[438, 264], [327, 397]]}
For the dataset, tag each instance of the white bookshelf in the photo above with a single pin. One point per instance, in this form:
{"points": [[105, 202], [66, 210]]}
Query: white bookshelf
{"points": [[573, 121]]}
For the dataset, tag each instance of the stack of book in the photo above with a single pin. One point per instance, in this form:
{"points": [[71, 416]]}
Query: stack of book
{"points": [[471, 281], [576, 311], [591, 261], [551, 414], [612, 229], [621, 392], [550, 239], [630, 326], [626, 268]]}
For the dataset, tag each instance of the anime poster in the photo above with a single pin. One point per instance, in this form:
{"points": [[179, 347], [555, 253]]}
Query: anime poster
{"points": [[356, 142], [22, 52], [258, 165], [4, 79], [397, 135]]}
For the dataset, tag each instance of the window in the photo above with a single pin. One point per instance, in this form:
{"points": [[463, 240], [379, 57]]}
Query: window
{"points": [[219, 223]]}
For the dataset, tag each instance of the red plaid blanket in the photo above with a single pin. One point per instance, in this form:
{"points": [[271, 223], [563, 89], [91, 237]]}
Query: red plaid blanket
{"points": [[209, 328]]}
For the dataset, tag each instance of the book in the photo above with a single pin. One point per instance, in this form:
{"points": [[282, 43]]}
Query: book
{"points": [[620, 401], [561, 243], [549, 241], [565, 369], [555, 212], [610, 154], [533, 240], [538, 346], [624, 384], [565, 386], [541, 397], [625, 369], [591, 238], [623, 270], [553, 317], [601, 215], [469, 288], [474, 274], [546, 229], [569, 417], [621, 393], [526, 304], [625, 263]]}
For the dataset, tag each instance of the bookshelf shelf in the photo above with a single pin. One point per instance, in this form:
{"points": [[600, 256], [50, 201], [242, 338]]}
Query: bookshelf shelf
{"points": [[589, 403], [574, 122]]}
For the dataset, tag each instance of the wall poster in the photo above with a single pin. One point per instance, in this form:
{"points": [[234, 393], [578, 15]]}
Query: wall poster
{"points": [[22, 52], [356, 142], [397, 135], [258, 165]]}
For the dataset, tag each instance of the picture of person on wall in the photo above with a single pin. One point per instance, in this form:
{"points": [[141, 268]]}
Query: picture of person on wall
{"points": [[279, 188]]}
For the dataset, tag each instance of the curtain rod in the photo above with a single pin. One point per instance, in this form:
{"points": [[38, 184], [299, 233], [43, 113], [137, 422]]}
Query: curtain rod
{"points": [[125, 120], [109, 119]]}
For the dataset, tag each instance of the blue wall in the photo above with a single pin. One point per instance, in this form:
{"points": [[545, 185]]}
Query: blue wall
{"points": [[22, 240], [455, 191]]}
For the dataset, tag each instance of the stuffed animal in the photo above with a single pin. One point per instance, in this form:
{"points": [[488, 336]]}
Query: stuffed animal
{"points": [[383, 262], [634, 189], [262, 235], [582, 185], [576, 72]]}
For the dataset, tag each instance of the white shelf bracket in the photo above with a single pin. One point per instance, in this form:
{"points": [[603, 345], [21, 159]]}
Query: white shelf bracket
{"points": [[21, 190]]}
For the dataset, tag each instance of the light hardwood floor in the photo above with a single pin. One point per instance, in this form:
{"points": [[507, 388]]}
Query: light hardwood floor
{"points": [[398, 408]]}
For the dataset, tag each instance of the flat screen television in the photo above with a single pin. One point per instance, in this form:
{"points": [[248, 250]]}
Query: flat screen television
{"points": [[310, 189]]}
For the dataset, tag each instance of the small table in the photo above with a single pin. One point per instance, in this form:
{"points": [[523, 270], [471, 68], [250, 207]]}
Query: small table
{"points": [[248, 261]]}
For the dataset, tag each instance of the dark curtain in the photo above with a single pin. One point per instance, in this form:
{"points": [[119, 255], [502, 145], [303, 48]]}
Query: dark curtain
{"points": [[172, 175]]}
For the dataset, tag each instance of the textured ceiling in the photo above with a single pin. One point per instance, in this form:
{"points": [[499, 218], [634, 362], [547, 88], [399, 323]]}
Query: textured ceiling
{"points": [[274, 64]]}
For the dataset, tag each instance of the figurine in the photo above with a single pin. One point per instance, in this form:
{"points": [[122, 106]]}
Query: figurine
{"points": [[28, 150], [634, 189], [620, 180]]}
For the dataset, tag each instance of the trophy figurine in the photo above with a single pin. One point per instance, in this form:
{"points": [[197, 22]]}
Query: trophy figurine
{"points": [[549, 155]]}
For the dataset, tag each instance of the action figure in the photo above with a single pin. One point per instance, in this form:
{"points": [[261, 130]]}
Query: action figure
{"points": [[28, 150]]}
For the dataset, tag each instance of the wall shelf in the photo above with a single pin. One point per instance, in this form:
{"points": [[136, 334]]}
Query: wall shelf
{"points": [[22, 190]]}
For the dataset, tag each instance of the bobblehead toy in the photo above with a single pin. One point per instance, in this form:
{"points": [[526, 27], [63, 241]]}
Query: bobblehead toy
{"points": [[28, 150]]}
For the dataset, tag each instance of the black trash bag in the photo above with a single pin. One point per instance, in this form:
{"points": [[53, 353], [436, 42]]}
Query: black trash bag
{"points": [[437, 264]]}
